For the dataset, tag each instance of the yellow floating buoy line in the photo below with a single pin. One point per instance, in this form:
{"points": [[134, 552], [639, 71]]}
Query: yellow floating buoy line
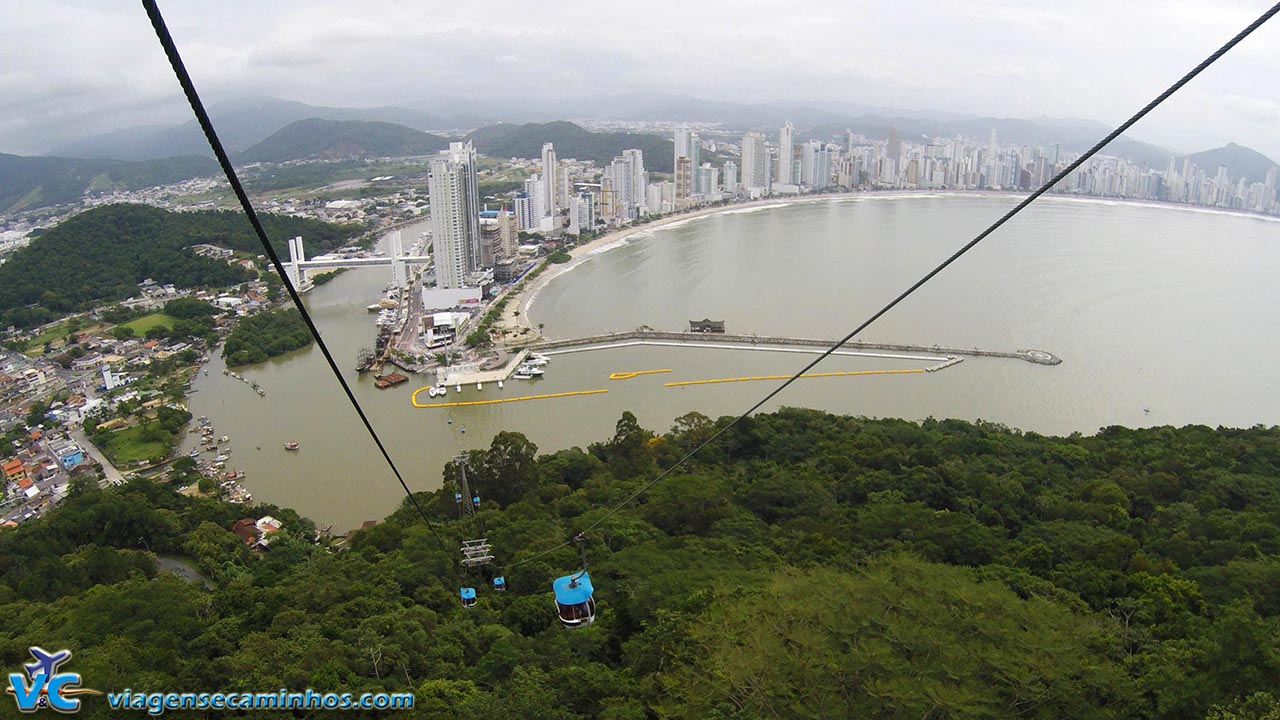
{"points": [[468, 403], [634, 373], [842, 373]]}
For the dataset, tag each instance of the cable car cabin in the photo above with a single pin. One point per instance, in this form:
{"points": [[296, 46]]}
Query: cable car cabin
{"points": [[499, 584], [468, 597], [574, 600]]}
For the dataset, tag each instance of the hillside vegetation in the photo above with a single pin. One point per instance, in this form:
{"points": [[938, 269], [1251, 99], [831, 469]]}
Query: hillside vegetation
{"points": [[31, 182], [101, 255], [1239, 161], [571, 141], [266, 335], [334, 139], [805, 566]]}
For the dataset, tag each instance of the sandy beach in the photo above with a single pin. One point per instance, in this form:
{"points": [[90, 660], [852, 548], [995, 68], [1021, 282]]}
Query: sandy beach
{"points": [[515, 317], [520, 302]]}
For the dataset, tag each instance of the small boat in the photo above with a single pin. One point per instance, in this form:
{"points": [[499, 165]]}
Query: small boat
{"points": [[521, 375], [224, 439], [479, 386], [432, 391], [221, 458], [226, 371], [530, 370], [499, 384], [195, 452], [535, 361], [457, 388], [291, 445], [206, 371]]}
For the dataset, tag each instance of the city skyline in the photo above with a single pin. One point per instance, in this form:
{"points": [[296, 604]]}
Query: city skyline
{"points": [[103, 70]]}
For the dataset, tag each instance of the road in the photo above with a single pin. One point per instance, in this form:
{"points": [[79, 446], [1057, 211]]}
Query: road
{"points": [[113, 475], [183, 569]]}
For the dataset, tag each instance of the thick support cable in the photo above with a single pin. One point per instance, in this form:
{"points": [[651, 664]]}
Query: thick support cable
{"points": [[197, 107]]}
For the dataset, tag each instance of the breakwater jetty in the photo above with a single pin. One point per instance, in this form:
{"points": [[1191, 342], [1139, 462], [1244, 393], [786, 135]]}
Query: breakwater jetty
{"points": [[766, 342]]}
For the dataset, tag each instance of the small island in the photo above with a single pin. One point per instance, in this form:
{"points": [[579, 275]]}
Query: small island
{"points": [[264, 336]]}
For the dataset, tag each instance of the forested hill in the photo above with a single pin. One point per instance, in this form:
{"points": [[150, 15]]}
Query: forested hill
{"points": [[102, 254], [29, 182], [571, 141], [804, 566], [1240, 161], [334, 139]]}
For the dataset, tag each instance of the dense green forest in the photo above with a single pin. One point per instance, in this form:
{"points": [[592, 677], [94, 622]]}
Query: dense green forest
{"points": [[102, 254], [266, 335], [806, 565]]}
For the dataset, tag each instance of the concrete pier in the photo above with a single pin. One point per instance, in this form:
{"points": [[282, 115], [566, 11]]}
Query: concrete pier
{"points": [[935, 353]]}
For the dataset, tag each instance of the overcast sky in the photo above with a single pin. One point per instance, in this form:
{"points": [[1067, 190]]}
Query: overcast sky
{"points": [[71, 68]]}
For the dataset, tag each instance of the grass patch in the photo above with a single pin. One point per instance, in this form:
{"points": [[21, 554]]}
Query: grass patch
{"points": [[124, 447], [141, 325], [58, 334]]}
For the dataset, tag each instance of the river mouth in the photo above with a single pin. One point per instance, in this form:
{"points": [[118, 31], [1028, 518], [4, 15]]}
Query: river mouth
{"points": [[1147, 308]]}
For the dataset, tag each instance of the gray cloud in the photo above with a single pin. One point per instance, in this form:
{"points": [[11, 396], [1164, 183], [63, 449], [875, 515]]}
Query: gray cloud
{"points": [[71, 68]]}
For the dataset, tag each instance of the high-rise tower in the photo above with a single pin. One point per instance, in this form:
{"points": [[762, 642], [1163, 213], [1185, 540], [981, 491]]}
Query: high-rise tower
{"points": [[786, 141], [455, 214], [549, 186]]}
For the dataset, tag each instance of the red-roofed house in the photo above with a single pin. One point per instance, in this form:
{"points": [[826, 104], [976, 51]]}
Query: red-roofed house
{"points": [[245, 529], [13, 470]]}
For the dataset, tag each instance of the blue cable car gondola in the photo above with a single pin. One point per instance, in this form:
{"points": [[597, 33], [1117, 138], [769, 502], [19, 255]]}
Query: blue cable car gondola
{"points": [[499, 584], [468, 597], [574, 600]]}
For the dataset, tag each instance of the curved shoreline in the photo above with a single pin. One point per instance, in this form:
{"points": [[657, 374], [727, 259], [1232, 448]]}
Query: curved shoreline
{"points": [[516, 316]]}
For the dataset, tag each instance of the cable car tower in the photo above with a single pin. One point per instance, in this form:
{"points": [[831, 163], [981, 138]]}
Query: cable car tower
{"points": [[475, 553]]}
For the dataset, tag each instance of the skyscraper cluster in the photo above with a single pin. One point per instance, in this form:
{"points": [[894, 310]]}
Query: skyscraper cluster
{"points": [[565, 195]]}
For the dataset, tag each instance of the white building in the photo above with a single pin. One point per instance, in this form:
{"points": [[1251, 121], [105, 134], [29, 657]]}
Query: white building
{"points": [[681, 140], [549, 186], [625, 184], [526, 212], [639, 180], [755, 161], [786, 141], [730, 175], [455, 214], [708, 182]]}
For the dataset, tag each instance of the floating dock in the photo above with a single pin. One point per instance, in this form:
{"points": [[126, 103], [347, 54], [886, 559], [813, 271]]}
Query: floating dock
{"points": [[382, 382]]}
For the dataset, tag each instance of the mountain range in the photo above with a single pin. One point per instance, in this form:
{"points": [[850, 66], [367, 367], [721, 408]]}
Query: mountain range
{"points": [[246, 122], [334, 139], [271, 130], [243, 123]]}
